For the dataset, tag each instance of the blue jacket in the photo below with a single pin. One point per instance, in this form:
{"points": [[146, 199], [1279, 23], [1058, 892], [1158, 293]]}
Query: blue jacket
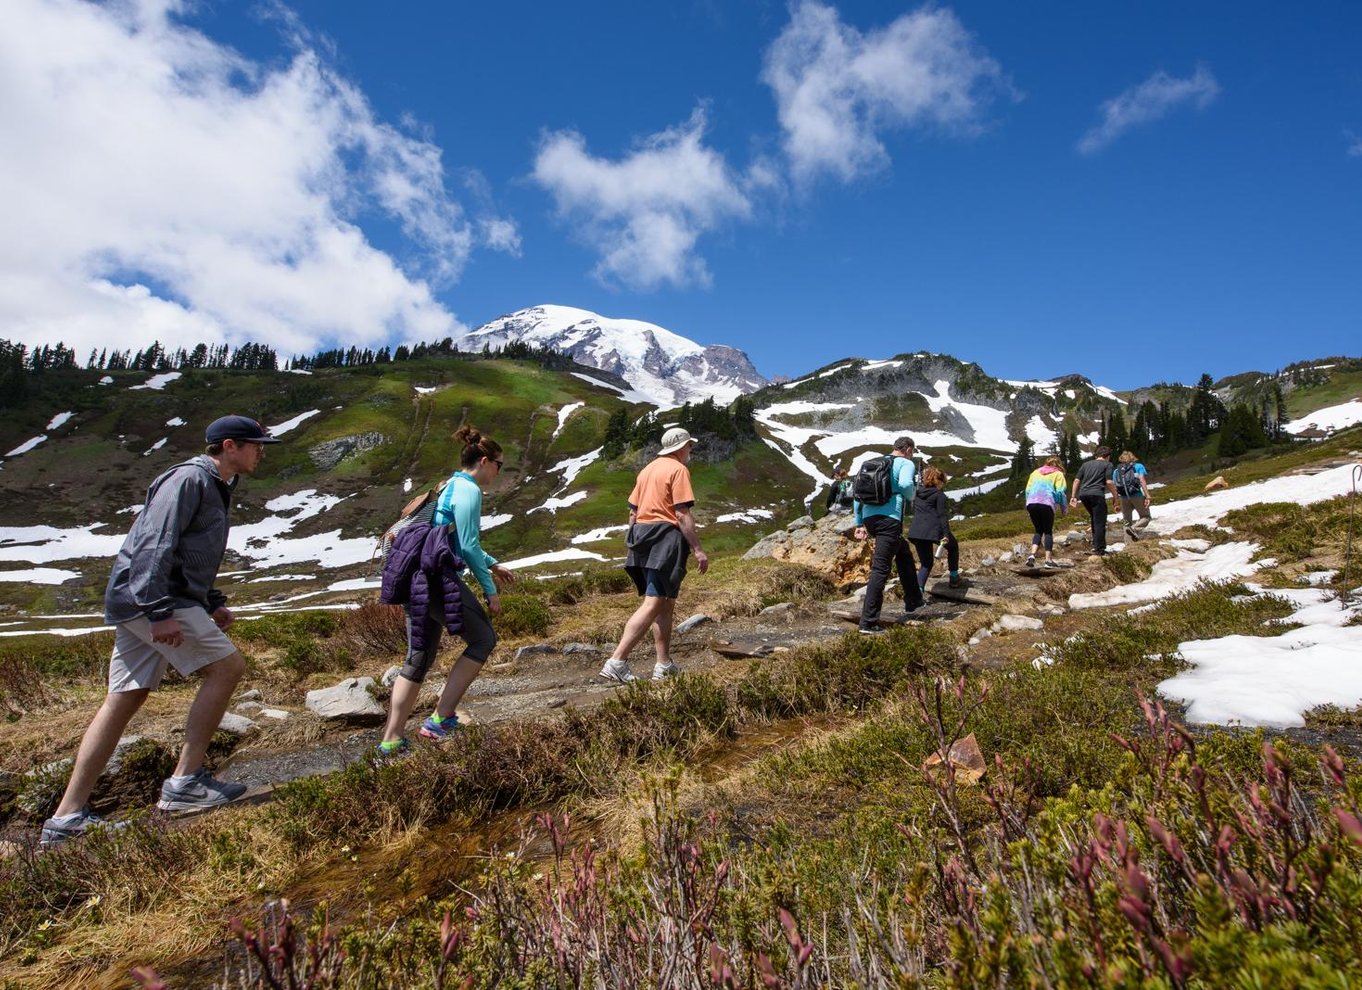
{"points": [[905, 475], [461, 504]]}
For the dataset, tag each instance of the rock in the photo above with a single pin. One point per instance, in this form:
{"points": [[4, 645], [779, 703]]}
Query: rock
{"points": [[1217, 482], [692, 622], [42, 787], [1018, 550], [558, 703], [1056, 610], [572, 648], [121, 750], [1005, 557], [389, 677], [987, 562], [825, 546], [532, 650], [249, 706], [768, 546], [350, 700], [1017, 623], [252, 695], [327, 455], [803, 522], [276, 713], [237, 725], [777, 608], [1074, 536]]}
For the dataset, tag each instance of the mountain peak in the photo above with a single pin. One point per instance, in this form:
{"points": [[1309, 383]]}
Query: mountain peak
{"points": [[664, 368]]}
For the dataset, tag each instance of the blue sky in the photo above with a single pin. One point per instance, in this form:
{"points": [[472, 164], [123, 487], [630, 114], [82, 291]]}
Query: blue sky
{"points": [[1136, 193]]}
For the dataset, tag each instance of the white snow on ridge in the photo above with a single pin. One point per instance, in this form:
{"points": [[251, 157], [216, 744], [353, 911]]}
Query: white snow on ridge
{"points": [[44, 544], [1328, 419], [492, 522], [563, 415], [175, 421], [1273, 680], [553, 504], [27, 445], [59, 420], [1207, 510], [574, 466], [39, 575], [555, 555], [157, 382], [1043, 439], [156, 446], [596, 535], [106, 380], [746, 516], [289, 424], [628, 395]]}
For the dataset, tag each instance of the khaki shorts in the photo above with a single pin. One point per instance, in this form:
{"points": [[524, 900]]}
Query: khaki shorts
{"points": [[138, 663]]}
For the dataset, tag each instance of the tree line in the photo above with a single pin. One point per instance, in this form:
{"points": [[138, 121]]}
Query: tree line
{"points": [[735, 422]]}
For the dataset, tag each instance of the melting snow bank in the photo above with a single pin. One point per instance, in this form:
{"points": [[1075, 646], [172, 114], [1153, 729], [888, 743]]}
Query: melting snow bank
{"points": [[1272, 681], [1329, 419], [1222, 563], [1207, 510], [563, 415], [746, 515], [548, 558], [59, 420], [288, 424], [157, 383], [39, 575], [27, 445]]}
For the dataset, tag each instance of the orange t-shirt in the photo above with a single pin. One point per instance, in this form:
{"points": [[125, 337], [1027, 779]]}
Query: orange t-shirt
{"points": [[662, 487]]}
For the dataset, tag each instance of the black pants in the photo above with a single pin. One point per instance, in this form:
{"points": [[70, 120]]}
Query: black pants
{"points": [[925, 550], [1043, 522], [1097, 509], [891, 552], [477, 634]]}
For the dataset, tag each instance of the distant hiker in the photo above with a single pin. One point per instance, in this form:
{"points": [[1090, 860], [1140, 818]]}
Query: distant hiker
{"points": [[884, 487], [437, 584], [1132, 485], [931, 526], [839, 499], [661, 536], [1092, 482], [165, 610], [1044, 496]]}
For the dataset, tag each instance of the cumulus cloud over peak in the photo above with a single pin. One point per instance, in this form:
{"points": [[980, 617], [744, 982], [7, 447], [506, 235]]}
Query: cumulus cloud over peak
{"points": [[158, 184], [837, 89], [645, 211], [1147, 102]]}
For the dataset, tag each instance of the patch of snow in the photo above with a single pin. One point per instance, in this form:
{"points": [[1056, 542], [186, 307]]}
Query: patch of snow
{"points": [[1151, 485], [326, 549], [987, 486], [279, 577], [554, 555], [79, 631], [427, 389], [39, 575], [1107, 393], [1207, 510], [156, 446], [746, 516], [406, 486], [1318, 578], [595, 535], [1197, 544], [1041, 436], [554, 504], [628, 395], [876, 365], [106, 380], [1177, 574], [355, 584], [491, 522], [289, 424], [27, 445], [1273, 680], [176, 421], [59, 420], [299, 371], [44, 544], [563, 415], [157, 383], [132, 509], [574, 466], [1327, 419]]}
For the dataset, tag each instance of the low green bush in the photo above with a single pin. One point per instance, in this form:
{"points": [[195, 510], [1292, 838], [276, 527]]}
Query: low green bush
{"points": [[523, 615]]}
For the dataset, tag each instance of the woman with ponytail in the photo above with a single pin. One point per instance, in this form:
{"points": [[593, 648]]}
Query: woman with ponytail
{"points": [[460, 504]]}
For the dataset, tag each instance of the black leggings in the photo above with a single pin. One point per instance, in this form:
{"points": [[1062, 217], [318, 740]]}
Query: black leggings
{"points": [[925, 550], [477, 633], [1043, 521]]}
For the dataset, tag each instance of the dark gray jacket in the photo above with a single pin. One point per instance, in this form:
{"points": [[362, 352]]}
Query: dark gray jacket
{"points": [[931, 515], [171, 556]]}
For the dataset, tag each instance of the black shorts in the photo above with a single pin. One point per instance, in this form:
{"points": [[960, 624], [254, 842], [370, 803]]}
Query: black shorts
{"points": [[478, 635]]}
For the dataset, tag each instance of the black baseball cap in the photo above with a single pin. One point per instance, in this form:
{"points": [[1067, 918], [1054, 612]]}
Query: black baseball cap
{"points": [[238, 428]]}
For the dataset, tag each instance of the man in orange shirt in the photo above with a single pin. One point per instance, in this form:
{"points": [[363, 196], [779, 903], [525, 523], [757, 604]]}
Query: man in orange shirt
{"points": [[661, 536]]}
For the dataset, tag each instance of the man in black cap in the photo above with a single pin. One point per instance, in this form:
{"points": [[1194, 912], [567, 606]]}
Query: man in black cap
{"points": [[165, 610]]}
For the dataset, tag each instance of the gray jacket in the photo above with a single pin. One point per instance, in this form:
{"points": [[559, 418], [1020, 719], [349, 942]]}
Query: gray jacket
{"points": [[171, 556]]}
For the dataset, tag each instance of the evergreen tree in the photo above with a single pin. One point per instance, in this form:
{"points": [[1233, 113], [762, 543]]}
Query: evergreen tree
{"points": [[1023, 461], [1243, 431]]}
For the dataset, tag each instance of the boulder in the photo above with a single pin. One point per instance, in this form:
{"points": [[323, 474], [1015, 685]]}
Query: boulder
{"points": [[349, 700], [826, 546], [389, 677], [252, 695], [236, 725], [533, 649], [249, 706], [572, 648], [327, 455], [1217, 482], [1005, 557], [275, 713], [777, 609], [695, 620], [1017, 623], [987, 562], [802, 523]]}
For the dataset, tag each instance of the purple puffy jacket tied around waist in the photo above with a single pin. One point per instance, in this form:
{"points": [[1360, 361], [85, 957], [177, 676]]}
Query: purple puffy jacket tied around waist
{"points": [[422, 573]]}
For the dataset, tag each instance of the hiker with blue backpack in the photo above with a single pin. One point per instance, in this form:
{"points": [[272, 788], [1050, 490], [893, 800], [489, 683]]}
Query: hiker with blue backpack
{"points": [[1132, 489], [423, 573], [883, 488]]}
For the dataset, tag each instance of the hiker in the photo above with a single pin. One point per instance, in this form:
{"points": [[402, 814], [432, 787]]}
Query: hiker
{"points": [[460, 507], [884, 522], [1092, 482], [164, 609], [931, 526], [839, 499], [1044, 497], [1132, 485], [661, 536]]}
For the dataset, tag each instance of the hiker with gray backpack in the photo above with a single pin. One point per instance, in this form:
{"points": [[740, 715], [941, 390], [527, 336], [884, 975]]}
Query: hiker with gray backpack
{"points": [[1132, 490], [422, 572], [882, 489]]}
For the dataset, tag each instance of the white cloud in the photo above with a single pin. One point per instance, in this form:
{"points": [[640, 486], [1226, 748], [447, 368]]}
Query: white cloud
{"points": [[155, 183], [1354, 144], [837, 89], [645, 212], [1151, 100]]}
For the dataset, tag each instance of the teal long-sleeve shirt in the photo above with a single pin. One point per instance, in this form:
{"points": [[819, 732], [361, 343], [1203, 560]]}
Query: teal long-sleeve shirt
{"points": [[461, 504], [905, 477]]}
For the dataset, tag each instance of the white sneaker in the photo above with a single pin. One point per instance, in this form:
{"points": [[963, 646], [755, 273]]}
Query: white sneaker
{"points": [[617, 671], [661, 671]]}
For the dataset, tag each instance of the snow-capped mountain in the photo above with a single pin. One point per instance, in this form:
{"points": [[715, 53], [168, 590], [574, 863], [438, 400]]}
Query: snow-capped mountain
{"points": [[664, 368]]}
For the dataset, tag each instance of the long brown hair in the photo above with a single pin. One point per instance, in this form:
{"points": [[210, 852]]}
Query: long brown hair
{"points": [[475, 446], [933, 477]]}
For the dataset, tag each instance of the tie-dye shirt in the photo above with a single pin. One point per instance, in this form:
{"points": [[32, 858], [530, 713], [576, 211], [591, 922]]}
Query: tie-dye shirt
{"points": [[1046, 486]]}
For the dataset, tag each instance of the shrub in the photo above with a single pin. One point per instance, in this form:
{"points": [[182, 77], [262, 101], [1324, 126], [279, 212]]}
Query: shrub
{"points": [[374, 629], [523, 615]]}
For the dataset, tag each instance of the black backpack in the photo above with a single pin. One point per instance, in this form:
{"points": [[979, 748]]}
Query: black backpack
{"points": [[874, 484], [1128, 481]]}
